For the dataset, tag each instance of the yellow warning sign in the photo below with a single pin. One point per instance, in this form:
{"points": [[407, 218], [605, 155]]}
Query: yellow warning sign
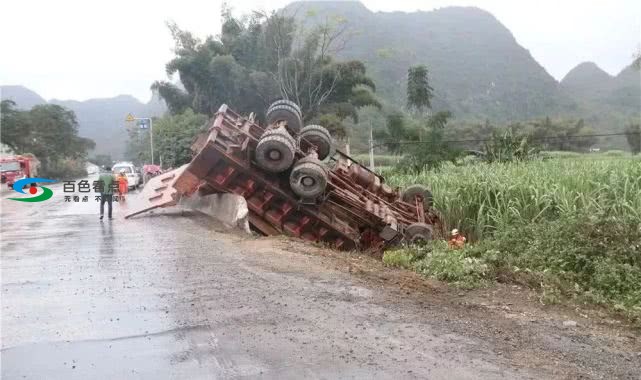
{"points": [[130, 117]]}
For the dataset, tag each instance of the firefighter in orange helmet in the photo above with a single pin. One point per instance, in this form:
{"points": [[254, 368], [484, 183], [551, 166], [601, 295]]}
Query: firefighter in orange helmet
{"points": [[457, 241]]}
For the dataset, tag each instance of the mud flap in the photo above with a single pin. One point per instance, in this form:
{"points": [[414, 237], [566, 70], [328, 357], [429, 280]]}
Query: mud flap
{"points": [[229, 209]]}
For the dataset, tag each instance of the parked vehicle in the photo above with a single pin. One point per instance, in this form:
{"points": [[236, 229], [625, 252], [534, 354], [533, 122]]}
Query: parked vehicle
{"points": [[150, 171], [133, 175], [92, 169], [14, 168], [140, 176]]}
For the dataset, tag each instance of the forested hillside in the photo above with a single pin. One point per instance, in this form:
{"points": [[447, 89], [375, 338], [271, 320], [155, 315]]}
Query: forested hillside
{"points": [[477, 68], [606, 102], [101, 120]]}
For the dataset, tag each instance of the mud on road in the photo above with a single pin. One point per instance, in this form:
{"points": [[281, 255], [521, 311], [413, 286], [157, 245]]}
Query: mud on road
{"points": [[173, 295]]}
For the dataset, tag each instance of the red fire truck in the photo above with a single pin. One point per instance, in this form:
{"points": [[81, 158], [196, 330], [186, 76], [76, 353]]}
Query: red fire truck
{"points": [[17, 167]]}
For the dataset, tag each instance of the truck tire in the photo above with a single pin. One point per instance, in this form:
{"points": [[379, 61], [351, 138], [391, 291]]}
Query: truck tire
{"points": [[275, 151], [318, 136], [280, 131], [418, 232], [288, 114], [308, 178], [412, 191], [287, 103]]}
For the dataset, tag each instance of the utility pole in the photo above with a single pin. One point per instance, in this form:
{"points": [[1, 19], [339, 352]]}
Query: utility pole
{"points": [[151, 137], [371, 148]]}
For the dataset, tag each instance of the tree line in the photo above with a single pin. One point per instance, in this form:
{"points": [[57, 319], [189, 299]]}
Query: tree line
{"points": [[427, 139], [257, 59], [48, 131]]}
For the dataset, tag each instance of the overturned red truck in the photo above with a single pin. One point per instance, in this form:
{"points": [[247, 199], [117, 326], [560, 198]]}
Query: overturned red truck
{"points": [[295, 183]]}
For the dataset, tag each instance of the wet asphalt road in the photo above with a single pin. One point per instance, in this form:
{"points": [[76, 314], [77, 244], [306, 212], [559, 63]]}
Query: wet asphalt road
{"points": [[169, 296]]}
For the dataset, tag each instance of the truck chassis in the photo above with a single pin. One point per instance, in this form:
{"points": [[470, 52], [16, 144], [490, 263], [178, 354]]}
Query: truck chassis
{"points": [[354, 210]]}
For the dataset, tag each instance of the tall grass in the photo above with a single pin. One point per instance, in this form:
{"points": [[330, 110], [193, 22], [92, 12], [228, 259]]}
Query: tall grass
{"points": [[481, 198], [570, 228], [379, 159]]}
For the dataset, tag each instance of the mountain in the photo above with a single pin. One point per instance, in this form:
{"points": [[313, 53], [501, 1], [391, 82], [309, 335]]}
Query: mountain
{"points": [[587, 81], [477, 68], [101, 120], [606, 101], [22, 96], [627, 89]]}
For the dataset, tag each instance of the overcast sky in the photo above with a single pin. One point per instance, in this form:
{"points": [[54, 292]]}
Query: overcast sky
{"points": [[79, 49]]}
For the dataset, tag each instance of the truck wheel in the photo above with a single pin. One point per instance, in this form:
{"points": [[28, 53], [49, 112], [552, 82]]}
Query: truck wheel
{"points": [[275, 151], [287, 103], [412, 191], [288, 114], [308, 178], [418, 232], [280, 131], [318, 136]]}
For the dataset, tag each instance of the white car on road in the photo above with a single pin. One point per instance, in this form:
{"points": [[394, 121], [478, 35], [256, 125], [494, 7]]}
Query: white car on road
{"points": [[134, 179]]}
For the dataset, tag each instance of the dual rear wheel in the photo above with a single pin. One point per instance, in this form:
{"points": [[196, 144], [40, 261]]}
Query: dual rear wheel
{"points": [[276, 148], [317, 137], [411, 192], [286, 113], [308, 178], [418, 232]]}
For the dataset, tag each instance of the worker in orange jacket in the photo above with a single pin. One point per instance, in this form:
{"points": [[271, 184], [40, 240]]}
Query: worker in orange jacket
{"points": [[123, 184], [457, 241]]}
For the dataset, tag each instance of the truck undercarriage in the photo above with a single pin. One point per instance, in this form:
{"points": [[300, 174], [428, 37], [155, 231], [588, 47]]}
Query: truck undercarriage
{"points": [[295, 183]]}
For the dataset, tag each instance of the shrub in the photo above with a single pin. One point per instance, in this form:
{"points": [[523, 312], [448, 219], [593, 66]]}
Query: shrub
{"points": [[65, 169], [454, 266], [399, 258], [594, 258]]}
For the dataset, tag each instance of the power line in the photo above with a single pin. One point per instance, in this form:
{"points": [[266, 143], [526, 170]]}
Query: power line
{"points": [[543, 138]]}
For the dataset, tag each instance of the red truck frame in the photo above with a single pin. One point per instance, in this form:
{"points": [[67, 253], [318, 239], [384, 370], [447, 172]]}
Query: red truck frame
{"points": [[354, 210]]}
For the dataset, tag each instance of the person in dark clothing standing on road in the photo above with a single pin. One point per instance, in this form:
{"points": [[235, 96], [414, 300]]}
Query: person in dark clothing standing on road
{"points": [[106, 180]]}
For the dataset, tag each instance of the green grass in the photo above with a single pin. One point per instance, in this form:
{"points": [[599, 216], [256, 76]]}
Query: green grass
{"points": [[570, 228], [437, 261], [481, 198], [379, 159], [587, 156], [399, 258]]}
